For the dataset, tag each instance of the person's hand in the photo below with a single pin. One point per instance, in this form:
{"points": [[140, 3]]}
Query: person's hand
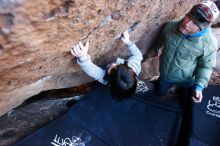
{"points": [[125, 37], [197, 96], [79, 50]]}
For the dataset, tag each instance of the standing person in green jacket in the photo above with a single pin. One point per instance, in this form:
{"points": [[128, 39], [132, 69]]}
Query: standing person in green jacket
{"points": [[188, 50]]}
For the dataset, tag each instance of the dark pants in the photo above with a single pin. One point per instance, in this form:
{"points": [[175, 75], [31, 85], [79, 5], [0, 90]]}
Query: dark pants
{"points": [[164, 85], [186, 102]]}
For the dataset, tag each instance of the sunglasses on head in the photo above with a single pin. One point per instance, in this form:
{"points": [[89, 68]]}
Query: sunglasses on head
{"points": [[196, 14]]}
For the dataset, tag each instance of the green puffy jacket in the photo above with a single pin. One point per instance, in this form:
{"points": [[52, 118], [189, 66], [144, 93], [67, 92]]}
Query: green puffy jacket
{"points": [[185, 59]]}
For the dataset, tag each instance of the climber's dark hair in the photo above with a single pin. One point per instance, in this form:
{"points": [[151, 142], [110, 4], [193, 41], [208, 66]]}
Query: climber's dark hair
{"points": [[122, 81]]}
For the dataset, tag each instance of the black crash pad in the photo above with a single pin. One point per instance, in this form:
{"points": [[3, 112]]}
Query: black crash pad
{"points": [[145, 119], [100, 120], [206, 118]]}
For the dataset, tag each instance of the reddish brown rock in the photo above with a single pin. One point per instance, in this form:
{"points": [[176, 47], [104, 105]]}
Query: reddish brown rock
{"points": [[36, 37], [150, 68]]}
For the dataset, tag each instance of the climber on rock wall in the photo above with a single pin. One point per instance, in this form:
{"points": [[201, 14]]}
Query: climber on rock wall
{"points": [[120, 76]]}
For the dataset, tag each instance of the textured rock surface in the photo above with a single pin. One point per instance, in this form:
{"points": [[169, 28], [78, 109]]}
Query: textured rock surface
{"points": [[150, 68], [36, 36], [26, 119], [38, 111]]}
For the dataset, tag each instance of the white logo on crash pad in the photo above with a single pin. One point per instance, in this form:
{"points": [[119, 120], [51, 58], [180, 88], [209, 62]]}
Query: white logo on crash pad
{"points": [[74, 141], [141, 86], [214, 107]]}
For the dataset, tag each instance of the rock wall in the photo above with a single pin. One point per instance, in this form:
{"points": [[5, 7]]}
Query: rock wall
{"points": [[36, 37]]}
